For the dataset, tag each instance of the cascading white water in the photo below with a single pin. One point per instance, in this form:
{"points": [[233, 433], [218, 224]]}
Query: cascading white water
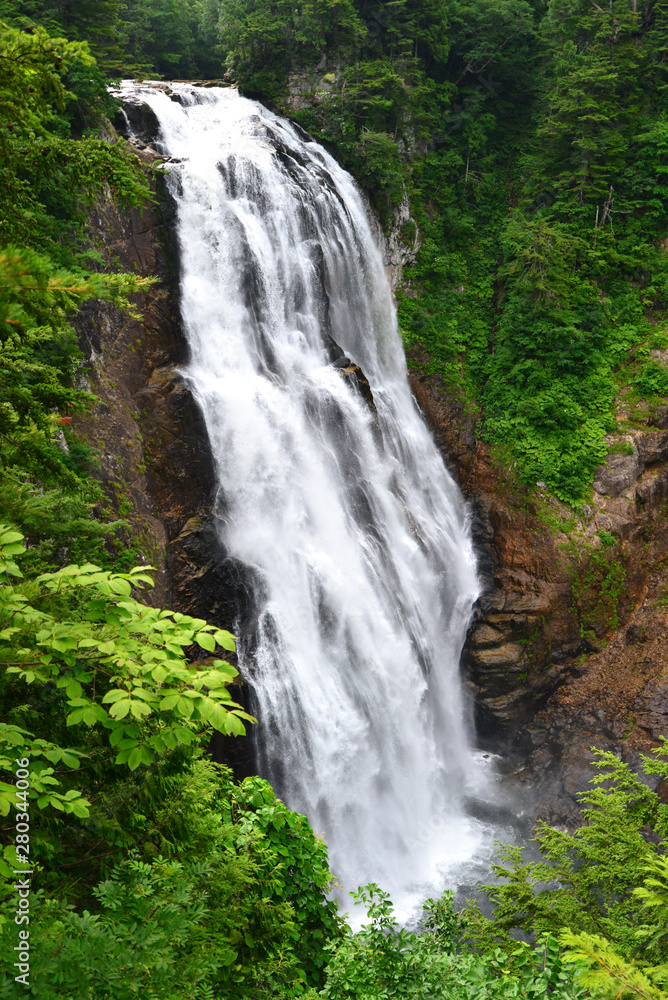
{"points": [[356, 533]]}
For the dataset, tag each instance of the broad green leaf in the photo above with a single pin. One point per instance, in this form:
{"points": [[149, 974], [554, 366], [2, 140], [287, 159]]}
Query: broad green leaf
{"points": [[73, 689], [8, 537], [139, 709], [206, 641], [114, 695], [225, 639], [120, 709]]}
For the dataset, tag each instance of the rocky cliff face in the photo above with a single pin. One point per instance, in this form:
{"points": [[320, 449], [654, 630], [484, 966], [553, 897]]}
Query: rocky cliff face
{"points": [[567, 649], [153, 456]]}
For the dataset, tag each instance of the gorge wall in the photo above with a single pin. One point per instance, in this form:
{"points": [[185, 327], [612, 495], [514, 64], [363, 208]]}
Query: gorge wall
{"points": [[567, 649]]}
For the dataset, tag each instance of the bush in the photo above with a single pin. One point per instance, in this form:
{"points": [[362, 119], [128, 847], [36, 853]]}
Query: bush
{"points": [[602, 890], [383, 960], [653, 380]]}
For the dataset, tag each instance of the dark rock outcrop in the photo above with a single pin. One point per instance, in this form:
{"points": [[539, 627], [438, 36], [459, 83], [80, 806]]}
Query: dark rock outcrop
{"points": [[153, 457], [140, 120], [356, 377]]}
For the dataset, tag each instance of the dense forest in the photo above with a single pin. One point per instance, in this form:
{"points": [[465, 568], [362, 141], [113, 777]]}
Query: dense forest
{"points": [[529, 139]]}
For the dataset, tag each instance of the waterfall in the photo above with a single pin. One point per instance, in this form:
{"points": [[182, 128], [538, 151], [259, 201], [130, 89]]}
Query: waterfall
{"points": [[334, 496]]}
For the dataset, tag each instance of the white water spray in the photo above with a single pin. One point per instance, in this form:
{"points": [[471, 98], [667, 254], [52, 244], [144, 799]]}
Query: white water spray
{"points": [[356, 533]]}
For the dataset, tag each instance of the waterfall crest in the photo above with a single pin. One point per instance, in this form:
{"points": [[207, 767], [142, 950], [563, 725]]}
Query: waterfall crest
{"points": [[341, 505]]}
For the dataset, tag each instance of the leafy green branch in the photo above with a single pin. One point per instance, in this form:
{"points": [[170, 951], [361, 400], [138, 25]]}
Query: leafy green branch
{"points": [[121, 666]]}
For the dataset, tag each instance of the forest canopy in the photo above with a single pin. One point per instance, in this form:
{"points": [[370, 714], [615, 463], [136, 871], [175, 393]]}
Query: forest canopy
{"points": [[530, 139]]}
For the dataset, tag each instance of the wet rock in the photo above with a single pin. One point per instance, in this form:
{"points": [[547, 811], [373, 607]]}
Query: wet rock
{"points": [[618, 473], [560, 757], [137, 119], [636, 633], [538, 602], [502, 716], [121, 354], [355, 375], [207, 578], [652, 708], [508, 655], [652, 447], [560, 776], [484, 635]]}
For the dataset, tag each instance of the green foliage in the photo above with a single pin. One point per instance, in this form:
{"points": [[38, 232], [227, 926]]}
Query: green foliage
{"points": [[604, 973], [494, 36], [107, 704], [50, 88], [652, 380], [261, 41], [90, 20], [47, 177], [106, 662], [588, 885], [298, 873], [247, 916], [39, 357], [654, 910], [597, 584], [122, 665], [56, 522], [144, 940], [168, 38], [602, 891], [383, 960]]}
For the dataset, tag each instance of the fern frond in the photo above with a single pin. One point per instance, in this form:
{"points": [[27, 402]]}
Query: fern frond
{"points": [[603, 971], [654, 896]]}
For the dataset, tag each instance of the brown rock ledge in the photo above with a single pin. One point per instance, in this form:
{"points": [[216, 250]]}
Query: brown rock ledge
{"points": [[568, 648]]}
